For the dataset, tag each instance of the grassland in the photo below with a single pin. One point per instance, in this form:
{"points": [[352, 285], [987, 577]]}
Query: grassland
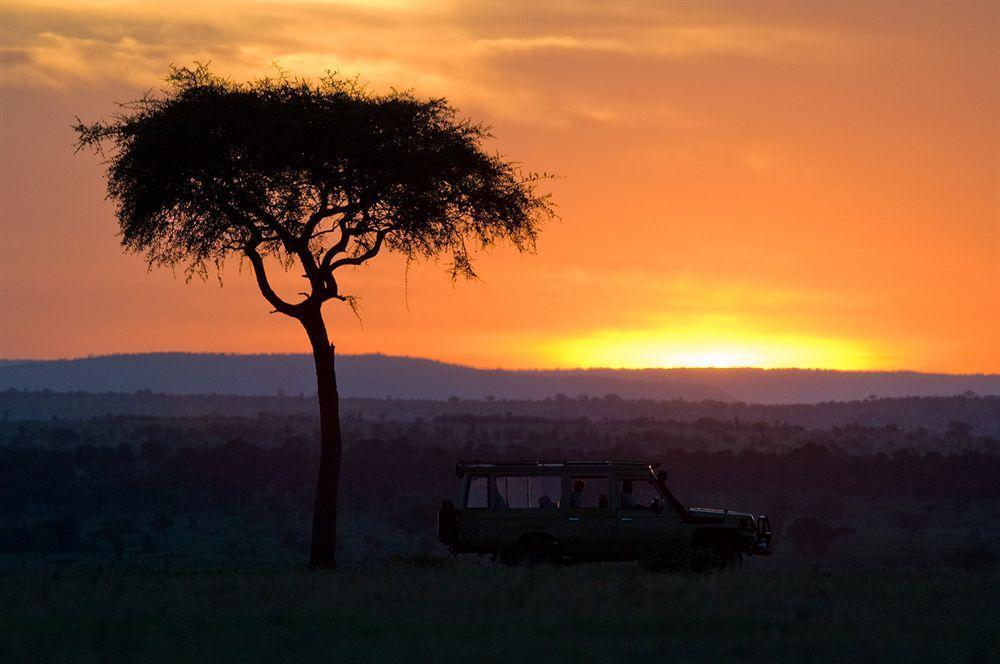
{"points": [[464, 611]]}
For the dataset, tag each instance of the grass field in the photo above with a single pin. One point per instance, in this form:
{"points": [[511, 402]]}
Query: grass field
{"points": [[466, 611]]}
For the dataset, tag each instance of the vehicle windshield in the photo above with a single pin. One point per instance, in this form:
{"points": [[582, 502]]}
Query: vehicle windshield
{"points": [[639, 494]]}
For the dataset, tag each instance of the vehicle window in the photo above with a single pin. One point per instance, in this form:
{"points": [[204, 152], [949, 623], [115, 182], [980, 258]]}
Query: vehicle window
{"points": [[478, 494], [527, 491], [544, 492], [637, 494], [588, 492], [511, 492]]}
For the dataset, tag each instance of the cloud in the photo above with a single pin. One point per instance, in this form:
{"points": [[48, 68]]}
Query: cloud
{"points": [[670, 42], [483, 55], [13, 56]]}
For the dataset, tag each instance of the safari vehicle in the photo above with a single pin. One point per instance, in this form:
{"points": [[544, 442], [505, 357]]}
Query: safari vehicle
{"points": [[538, 511]]}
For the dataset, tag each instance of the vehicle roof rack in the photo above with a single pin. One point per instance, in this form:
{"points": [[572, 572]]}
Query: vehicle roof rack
{"points": [[463, 466]]}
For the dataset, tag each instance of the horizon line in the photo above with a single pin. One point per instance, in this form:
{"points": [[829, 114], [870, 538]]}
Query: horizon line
{"points": [[499, 368]]}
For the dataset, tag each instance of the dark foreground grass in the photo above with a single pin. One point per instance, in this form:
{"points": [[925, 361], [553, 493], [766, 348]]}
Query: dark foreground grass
{"points": [[467, 612]]}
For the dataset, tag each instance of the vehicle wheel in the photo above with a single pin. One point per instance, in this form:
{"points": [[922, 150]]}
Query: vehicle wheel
{"points": [[533, 554], [721, 557], [732, 560]]}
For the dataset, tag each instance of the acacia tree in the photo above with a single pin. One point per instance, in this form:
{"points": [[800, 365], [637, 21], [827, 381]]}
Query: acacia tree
{"points": [[317, 176]]}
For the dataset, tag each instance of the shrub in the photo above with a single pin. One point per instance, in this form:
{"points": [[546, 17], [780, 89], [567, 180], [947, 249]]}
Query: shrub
{"points": [[812, 536], [974, 555], [679, 559], [421, 560]]}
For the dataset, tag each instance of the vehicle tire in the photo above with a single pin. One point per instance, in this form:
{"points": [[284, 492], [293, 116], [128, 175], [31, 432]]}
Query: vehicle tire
{"points": [[535, 554], [732, 561], [722, 554]]}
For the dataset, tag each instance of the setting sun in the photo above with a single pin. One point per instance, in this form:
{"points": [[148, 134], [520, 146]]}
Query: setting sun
{"points": [[710, 348]]}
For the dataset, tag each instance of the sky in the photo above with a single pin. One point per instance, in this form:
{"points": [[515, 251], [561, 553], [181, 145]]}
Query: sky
{"points": [[807, 185]]}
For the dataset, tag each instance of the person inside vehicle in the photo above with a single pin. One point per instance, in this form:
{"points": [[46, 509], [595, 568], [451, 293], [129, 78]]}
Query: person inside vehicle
{"points": [[545, 503], [497, 503], [627, 499], [576, 498]]}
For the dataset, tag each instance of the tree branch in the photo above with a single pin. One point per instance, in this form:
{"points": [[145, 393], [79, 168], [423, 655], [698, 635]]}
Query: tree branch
{"points": [[338, 248], [318, 216], [257, 261], [371, 252], [265, 217]]}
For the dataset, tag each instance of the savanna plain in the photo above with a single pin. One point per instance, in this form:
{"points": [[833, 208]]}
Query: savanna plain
{"points": [[423, 610], [150, 528]]}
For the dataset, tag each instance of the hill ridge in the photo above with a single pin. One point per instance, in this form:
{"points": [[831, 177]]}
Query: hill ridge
{"points": [[379, 375]]}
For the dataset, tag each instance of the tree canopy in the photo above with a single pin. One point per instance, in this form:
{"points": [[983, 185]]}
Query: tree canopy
{"points": [[325, 174]]}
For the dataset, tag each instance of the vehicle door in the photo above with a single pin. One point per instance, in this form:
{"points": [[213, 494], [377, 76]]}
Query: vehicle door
{"points": [[644, 521], [589, 519], [472, 508], [521, 504]]}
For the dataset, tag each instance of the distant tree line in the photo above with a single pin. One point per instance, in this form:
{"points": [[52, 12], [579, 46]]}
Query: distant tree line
{"points": [[113, 499], [936, 414]]}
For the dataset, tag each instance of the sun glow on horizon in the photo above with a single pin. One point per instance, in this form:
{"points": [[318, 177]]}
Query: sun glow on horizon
{"points": [[701, 348]]}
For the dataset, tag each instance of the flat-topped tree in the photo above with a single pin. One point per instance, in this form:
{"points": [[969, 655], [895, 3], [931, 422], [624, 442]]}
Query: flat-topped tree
{"points": [[322, 176]]}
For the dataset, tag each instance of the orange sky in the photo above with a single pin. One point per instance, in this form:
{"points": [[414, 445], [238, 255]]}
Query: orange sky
{"points": [[811, 184]]}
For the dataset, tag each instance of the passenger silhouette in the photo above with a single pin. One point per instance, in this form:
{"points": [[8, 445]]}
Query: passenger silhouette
{"points": [[576, 498], [627, 499], [498, 502]]}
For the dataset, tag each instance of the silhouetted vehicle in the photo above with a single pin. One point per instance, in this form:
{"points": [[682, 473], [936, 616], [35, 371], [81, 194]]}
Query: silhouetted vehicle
{"points": [[538, 511]]}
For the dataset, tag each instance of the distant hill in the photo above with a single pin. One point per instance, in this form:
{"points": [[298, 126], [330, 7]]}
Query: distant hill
{"points": [[935, 414], [376, 376], [358, 376]]}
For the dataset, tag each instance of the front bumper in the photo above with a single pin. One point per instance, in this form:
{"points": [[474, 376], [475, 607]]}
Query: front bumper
{"points": [[762, 537]]}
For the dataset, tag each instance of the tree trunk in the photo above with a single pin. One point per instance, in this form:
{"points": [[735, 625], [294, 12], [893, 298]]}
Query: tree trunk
{"points": [[322, 551]]}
